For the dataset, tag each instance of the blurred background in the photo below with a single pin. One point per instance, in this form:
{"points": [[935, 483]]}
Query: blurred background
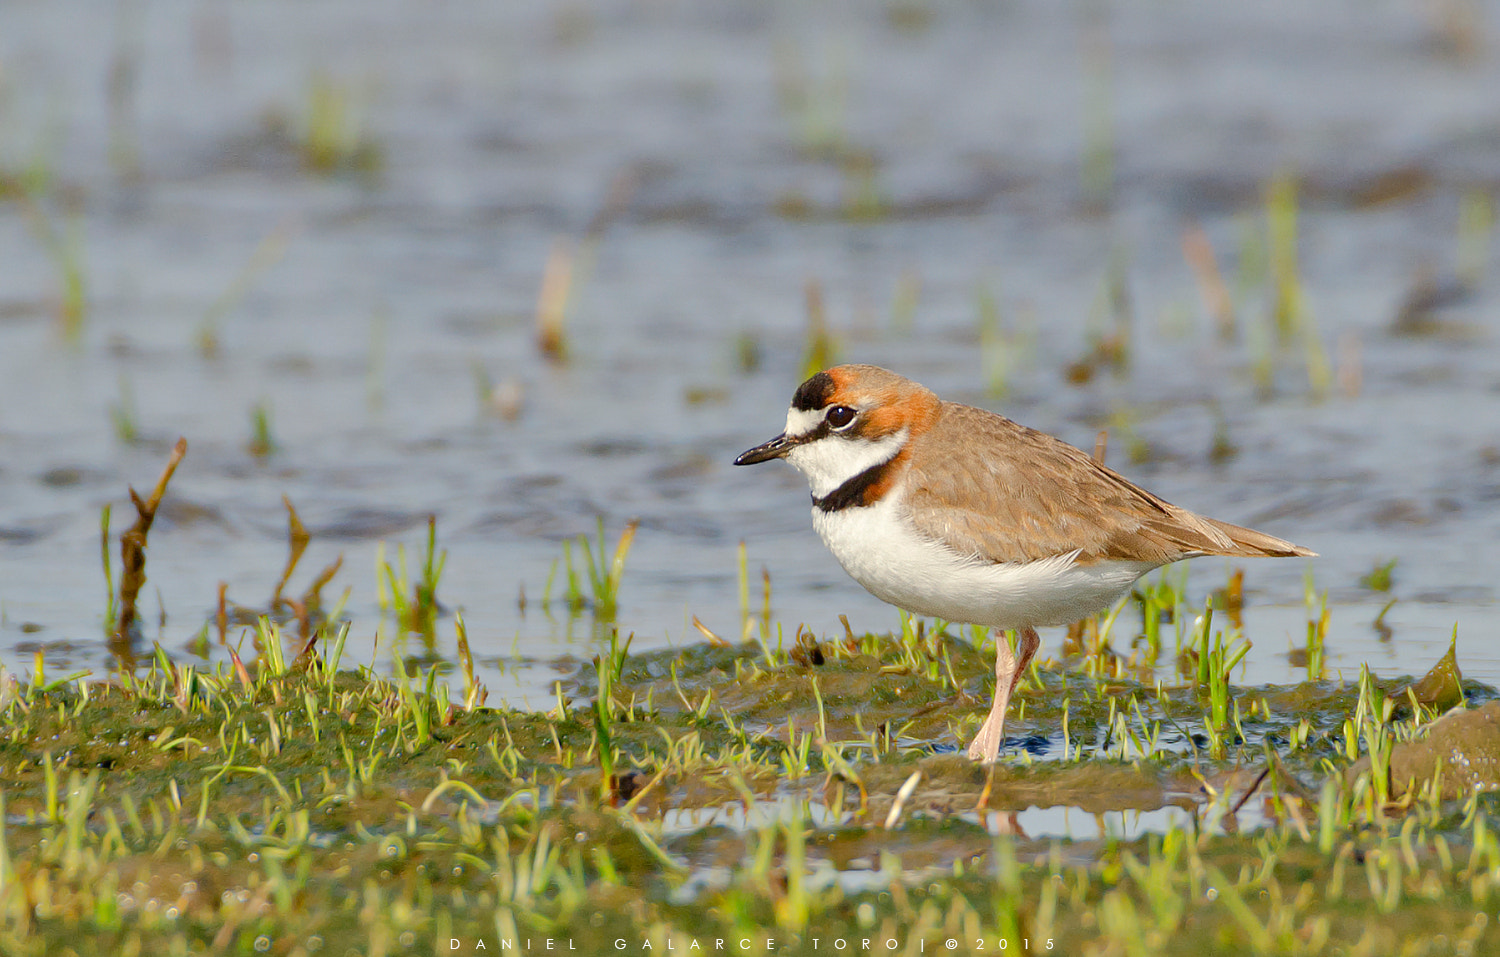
{"points": [[528, 266]]}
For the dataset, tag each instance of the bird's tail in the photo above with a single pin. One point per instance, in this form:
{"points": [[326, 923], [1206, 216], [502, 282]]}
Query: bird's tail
{"points": [[1252, 544]]}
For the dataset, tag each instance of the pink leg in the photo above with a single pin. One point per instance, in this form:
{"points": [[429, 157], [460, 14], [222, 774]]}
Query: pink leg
{"points": [[1008, 670]]}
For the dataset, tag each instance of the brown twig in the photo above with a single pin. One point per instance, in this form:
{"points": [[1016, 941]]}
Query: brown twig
{"points": [[1199, 253], [313, 597], [297, 539], [1250, 791], [221, 617], [133, 541], [552, 303]]}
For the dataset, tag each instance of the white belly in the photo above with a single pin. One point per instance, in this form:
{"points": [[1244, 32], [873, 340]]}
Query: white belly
{"points": [[881, 552]]}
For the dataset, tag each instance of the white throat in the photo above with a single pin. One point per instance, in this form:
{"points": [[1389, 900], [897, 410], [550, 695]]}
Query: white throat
{"points": [[833, 460]]}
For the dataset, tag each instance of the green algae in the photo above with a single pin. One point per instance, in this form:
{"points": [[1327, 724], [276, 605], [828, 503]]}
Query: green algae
{"points": [[746, 791], [1442, 687]]}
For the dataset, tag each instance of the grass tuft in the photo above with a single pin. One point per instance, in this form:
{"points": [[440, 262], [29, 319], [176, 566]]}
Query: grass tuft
{"points": [[414, 603]]}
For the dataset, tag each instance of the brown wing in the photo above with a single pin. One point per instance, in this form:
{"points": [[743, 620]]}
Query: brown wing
{"points": [[1007, 493]]}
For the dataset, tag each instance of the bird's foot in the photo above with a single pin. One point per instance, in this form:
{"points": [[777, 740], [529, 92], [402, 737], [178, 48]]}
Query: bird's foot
{"points": [[1009, 666]]}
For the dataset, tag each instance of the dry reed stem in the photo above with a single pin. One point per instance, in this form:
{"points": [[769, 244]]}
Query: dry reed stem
{"points": [[1199, 253], [133, 541]]}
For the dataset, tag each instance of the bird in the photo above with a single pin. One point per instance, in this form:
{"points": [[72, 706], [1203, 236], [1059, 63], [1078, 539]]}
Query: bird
{"points": [[959, 513]]}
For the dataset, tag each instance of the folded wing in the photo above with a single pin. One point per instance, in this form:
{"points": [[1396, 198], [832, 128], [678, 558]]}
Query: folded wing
{"points": [[1037, 497]]}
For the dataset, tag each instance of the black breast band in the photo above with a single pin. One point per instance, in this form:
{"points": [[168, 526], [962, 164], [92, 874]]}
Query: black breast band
{"points": [[851, 494]]}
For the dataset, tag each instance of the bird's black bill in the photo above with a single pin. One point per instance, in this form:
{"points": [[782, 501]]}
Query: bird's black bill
{"points": [[766, 451]]}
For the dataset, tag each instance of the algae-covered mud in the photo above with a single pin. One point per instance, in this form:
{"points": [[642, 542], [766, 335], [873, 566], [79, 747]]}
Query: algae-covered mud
{"points": [[784, 800]]}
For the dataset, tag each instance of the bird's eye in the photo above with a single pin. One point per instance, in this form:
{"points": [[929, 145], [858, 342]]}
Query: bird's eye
{"points": [[840, 416]]}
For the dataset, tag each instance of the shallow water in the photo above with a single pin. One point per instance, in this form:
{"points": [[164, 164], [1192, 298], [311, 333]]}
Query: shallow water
{"points": [[706, 164]]}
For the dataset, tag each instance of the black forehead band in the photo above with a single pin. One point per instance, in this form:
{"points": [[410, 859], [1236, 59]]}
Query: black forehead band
{"points": [[814, 393]]}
